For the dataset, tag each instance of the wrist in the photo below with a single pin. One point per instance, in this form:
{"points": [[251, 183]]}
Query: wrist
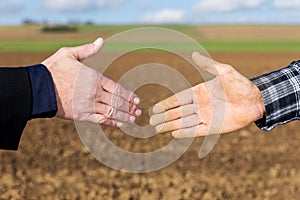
{"points": [[260, 106]]}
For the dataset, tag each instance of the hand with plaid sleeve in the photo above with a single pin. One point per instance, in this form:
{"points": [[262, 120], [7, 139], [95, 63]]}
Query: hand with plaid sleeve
{"points": [[268, 100]]}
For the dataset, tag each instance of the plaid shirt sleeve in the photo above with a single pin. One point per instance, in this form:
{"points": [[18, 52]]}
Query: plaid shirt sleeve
{"points": [[281, 94]]}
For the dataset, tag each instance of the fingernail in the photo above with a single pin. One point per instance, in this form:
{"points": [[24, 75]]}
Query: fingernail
{"points": [[98, 41], [136, 100], [120, 124], [132, 118], [138, 112], [158, 108]]}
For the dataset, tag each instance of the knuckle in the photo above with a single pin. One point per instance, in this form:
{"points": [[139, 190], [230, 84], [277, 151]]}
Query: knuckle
{"points": [[111, 112], [117, 102], [101, 80], [159, 128], [131, 108], [122, 117], [117, 89], [100, 119], [120, 103], [197, 109], [99, 92], [169, 115], [130, 96], [178, 112], [114, 123], [63, 50]]}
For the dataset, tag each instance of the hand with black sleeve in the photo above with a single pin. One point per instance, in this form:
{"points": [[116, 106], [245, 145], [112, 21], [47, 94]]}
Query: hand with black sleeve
{"points": [[47, 90]]}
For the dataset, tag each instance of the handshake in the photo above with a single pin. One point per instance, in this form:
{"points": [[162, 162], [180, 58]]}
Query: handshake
{"points": [[185, 114]]}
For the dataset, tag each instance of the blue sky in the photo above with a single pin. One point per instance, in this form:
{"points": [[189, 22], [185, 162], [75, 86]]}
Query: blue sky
{"points": [[13, 12]]}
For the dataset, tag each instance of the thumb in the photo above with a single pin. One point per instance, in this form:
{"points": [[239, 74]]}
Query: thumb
{"points": [[205, 63], [87, 50]]}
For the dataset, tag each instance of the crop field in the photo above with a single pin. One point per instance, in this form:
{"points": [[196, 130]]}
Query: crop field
{"points": [[212, 38], [52, 162]]}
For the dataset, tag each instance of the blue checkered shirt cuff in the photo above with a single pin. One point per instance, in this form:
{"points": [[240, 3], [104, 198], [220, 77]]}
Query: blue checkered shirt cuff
{"points": [[281, 94]]}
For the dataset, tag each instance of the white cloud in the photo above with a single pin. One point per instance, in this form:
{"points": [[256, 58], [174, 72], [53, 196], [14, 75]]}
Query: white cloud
{"points": [[11, 6], [68, 5], [226, 5], [79, 5], [110, 3], [165, 16], [286, 4]]}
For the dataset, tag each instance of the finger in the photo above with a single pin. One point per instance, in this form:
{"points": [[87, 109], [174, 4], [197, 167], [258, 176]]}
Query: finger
{"points": [[87, 50], [112, 123], [182, 98], [205, 63], [117, 89], [173, 114], [112, 113], [117, 102], [102, 120], [134, 110], [190, 132], [181, 123], [113, 100]]}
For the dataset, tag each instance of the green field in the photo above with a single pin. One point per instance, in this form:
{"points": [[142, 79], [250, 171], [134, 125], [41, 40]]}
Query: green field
{"points": [[31, 38]]}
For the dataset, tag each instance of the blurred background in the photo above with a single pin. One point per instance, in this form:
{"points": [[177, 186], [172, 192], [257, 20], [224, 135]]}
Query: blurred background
{"points": [[255, 37]]}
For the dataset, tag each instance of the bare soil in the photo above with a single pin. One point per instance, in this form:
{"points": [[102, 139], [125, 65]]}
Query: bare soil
{"points": [[52, 163]]}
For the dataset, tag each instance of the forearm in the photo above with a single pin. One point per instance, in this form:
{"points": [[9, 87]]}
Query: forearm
{"points": [[15, 101], [25, 93], [281, 94]]}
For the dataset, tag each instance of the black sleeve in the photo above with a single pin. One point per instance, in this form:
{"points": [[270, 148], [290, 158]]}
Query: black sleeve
{"points": [[15, 105]]}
